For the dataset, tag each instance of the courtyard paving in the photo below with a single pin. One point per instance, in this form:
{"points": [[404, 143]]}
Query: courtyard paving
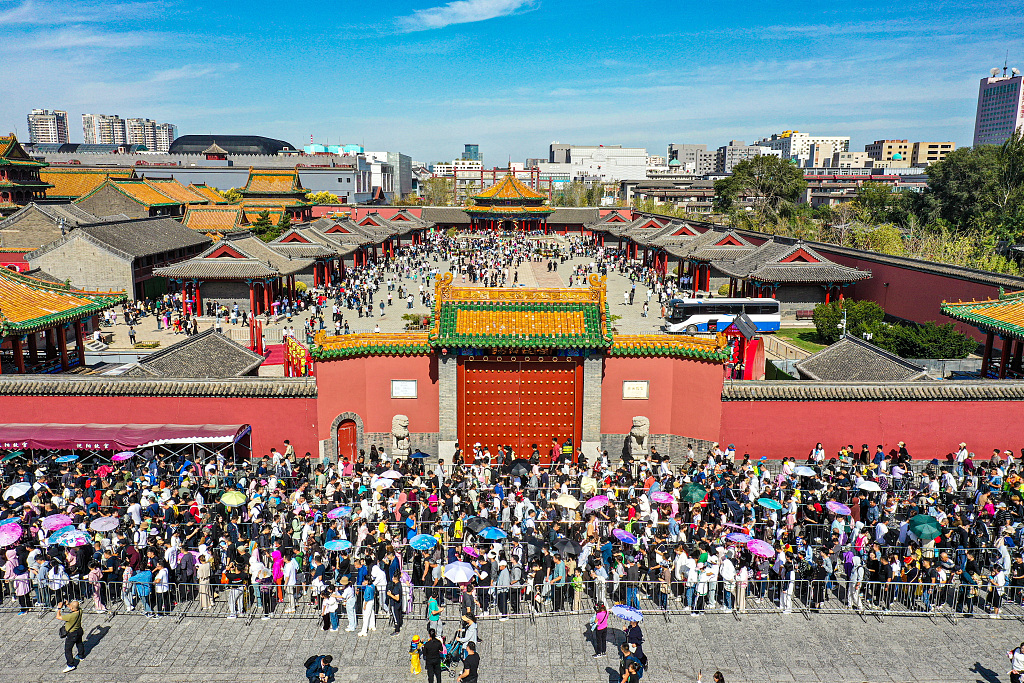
{"points": [[753, 648]]}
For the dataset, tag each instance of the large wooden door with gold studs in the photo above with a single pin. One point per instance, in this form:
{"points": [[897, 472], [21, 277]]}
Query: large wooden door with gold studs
{"points": [[519, 401]]}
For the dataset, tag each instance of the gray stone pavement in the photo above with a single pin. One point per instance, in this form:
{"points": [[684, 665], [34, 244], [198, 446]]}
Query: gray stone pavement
{"points": [[553, 649]]}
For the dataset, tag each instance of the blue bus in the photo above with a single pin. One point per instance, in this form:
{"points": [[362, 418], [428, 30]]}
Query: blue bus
{"points": [[713, 315]]}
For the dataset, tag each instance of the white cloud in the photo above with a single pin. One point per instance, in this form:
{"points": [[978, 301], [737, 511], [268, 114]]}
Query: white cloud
{"points": [[33, 12], [462, 12]]}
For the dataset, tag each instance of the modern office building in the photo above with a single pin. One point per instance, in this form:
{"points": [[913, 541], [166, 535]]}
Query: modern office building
{"points": [[472, 153], [803, 148], [602, 163], [889, 150], [926, 153], [45, 126], [1000, 107], [736, 151], [694, 159]]}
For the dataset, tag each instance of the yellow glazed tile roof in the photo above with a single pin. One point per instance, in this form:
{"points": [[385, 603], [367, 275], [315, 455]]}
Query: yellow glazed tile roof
{"points": [[1003, 315], [143, 192], [28, 304], [175, 190], [286, 181], [208, 192], [72, 183], [214, 217], [509, 187], [496, 321]]}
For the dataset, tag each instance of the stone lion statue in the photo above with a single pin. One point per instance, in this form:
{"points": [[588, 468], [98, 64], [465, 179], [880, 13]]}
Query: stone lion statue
{"points": [[639, 437], [400, 436]]}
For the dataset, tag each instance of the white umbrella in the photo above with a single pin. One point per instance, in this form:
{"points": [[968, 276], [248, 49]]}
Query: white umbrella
{"points": [[567, 501], [869, 486], [805, 471], [459, 572], [391, 474], [382, 482], [17, 490]]}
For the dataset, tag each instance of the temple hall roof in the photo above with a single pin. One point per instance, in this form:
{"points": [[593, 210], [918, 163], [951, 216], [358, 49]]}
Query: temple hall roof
{"points": [[510, 187], [29, 304], [782, 260], [209, 355], [70, 182], [1004, 316], [852, 359]]}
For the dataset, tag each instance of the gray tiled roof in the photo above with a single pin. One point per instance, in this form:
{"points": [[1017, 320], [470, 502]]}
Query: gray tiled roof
{"points": [[854, 360], [71, 213], [302, 250], [766, 264], [923, 390], [445, 214], [98, 385], [145, 237], [218, 269], [208, 354], [574, 215]]}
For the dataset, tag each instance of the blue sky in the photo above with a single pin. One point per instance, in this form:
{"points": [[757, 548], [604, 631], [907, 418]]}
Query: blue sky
{"points": [[425, 76]]}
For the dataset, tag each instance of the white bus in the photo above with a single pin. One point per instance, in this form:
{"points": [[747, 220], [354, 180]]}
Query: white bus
{"points": [[713, 315]]}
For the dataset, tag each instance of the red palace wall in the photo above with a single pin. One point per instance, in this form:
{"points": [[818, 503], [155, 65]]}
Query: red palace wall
{"points": [[273, 419], [912, 294], [362, 385], [931, 429], [684, 396]]}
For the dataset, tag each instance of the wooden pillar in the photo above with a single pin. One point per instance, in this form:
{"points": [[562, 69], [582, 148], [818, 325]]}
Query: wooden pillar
{"points": [[33, 347], [1018, 352], [986, 357], [51, 343], [828, 292], [199, 300], [1004, 359], [19, 358], [266, 295], [62, 344], [80, 343], [252, 299]]}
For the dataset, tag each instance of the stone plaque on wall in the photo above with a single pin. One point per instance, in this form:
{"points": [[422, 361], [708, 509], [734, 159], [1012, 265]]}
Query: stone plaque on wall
{"points": [[634, 389]]}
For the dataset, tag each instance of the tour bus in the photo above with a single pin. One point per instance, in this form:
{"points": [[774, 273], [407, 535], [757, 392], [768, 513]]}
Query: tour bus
{"points": [[713, 315]]}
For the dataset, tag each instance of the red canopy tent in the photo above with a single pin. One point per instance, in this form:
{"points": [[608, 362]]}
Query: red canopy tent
{"points": [[112, 437]]}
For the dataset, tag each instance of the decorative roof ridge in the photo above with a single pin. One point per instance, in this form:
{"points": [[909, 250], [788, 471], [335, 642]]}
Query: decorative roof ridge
{"points": [[46, 284], [103, 385], [211, 333], [913, 390], [327, 347]]}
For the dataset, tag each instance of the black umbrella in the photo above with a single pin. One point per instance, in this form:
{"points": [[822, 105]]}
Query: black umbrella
{"points": [[476, 524], [568, 546], [519, 468]]}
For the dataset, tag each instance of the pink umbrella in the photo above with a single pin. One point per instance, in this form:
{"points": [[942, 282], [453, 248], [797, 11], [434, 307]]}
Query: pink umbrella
{"points": [[56, 521], [123, 455], [760, 548], [104, 524], [9, 534], [470, 551], [838, 507], [104, 470], [662, 497], [596, 503]]}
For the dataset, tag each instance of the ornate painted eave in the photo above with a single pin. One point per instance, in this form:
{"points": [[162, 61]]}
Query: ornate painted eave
{"points": [[700, 348], [1003, 316], [331, 347], [28, 304]]}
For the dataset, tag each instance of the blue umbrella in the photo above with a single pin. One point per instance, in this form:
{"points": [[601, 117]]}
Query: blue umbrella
{"points": [[336, 546], [627, 613], [418, 454], [9, 520], [769, 503], [56, 535], [67, 458], [423, 542], [492, 533]]}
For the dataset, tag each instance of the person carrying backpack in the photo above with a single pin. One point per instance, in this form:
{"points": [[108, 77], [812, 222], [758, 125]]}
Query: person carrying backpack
{"points": [[630, 668], [319, 669]]}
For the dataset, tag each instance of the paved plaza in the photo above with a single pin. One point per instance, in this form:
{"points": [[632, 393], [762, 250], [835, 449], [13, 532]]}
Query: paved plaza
{"points": [[531, 274], [754, 648]]}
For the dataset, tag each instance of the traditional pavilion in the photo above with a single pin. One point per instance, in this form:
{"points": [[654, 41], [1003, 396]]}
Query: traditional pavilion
{"points": [[1003, 318], [276, 191], [37, 316], [509, 205], [19, 176]]}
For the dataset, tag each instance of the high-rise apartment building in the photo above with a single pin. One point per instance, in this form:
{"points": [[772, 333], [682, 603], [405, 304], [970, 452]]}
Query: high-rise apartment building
{"points": [[165, 134], [736, 151], [472, 152], [157, 137], [48, 126], [103, 129], [1000, 107]]}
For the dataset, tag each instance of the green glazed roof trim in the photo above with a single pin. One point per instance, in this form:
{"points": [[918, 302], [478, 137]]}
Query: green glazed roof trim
{"points": [[590, 338], [966, 312], [320, 353], [719, 355]]}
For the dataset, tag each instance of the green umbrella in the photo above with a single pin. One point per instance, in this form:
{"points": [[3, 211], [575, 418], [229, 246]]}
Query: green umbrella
{"points": [[694, 493], [11, 456], [769, 503], [233, 499], [925, 527]]}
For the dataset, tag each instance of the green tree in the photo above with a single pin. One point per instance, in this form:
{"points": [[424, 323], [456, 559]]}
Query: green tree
{"points": [[929, 340], [322, 197], [861, 317], [875, 202], [262, 225], [439, 191], [768, 181], [284, 223], [232, 195]]}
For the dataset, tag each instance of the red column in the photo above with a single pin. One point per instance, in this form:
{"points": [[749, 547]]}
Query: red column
{"points": [[62, 344], [19, 358], [80, 343], [828, 291], [199, 300], [1004, 359], [266, 295], [986, 358], [33, 348], [252, 299]]}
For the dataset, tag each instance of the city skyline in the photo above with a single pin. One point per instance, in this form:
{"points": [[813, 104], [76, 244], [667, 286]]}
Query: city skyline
{"points": [[433, 75]]}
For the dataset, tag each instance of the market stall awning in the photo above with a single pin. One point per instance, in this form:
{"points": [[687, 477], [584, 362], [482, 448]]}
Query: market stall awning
{"points": [[106, 437]]}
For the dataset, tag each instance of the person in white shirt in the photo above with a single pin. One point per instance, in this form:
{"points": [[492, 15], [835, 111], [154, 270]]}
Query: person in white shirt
{"points": [[290, 571], [1016, 656]]}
